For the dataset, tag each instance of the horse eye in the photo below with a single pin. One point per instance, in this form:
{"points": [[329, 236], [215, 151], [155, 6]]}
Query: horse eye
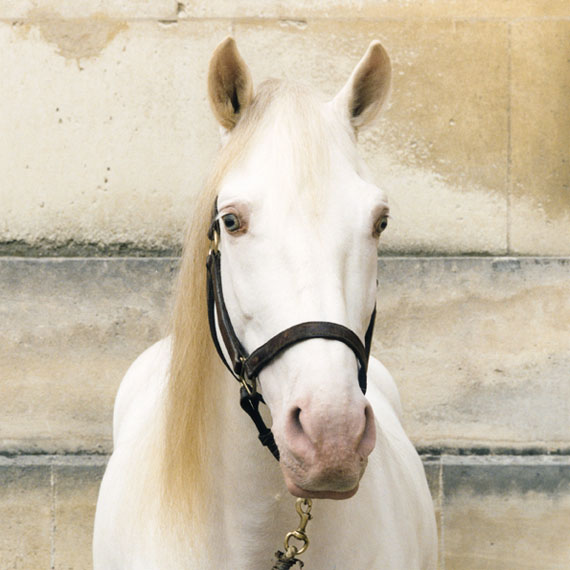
{"points": [[231, 222], [381, 225]]}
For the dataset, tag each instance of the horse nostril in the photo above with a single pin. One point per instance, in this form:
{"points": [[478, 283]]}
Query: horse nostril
{"points": [[298, 436], [296, 425], [368, 438]]}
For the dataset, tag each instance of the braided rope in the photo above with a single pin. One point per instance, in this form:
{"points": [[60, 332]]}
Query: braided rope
{"points": [[283, 562]]}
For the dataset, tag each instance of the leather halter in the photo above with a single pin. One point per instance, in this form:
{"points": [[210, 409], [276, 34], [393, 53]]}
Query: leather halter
{"points": [[246, 367]]}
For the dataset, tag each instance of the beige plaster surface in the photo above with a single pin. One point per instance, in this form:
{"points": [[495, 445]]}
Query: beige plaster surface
{"points": [[106, 146], [513, 528], [374, 9], [540, 195], [25, 517], [47, 506], [108, 134], [507, 533], [76, 488], [72, 330], [479, 350]]}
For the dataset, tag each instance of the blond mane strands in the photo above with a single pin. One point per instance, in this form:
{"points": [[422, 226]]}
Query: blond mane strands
{"points": [[190, 400]]}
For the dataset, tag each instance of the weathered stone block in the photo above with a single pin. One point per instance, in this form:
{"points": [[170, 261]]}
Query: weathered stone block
{"points": [[82, 89], [100, 104], [26, 525], [501, 512], [71, 329], [107, 132], [440, 149], [434, 469], [47, 507], [506, 516], [479, 349], [76, 487], [540, 195]]}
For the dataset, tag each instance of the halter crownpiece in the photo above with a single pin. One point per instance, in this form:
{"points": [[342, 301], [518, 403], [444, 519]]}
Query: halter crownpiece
{"points": [[245, 367]]}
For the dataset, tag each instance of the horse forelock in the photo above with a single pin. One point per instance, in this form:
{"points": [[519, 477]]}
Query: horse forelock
{"points": [[290, 114], [288, 123], [300, 137]]}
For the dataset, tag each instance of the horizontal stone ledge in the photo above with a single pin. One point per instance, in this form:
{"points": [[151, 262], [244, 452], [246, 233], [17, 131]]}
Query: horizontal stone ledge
{"points": [[46, 460], [121, 252], [447, 474], [73, 249], [46, 248], [429, 455], [489, 452], [101, 459]]}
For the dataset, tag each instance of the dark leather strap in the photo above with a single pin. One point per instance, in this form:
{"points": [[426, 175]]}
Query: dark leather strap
{"points": [[313, 329], [250, 405], [247, 365], [236, 351]]}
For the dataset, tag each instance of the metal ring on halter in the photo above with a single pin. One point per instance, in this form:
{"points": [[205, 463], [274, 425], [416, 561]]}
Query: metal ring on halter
{"points": [[215, 242], [249, 384]]}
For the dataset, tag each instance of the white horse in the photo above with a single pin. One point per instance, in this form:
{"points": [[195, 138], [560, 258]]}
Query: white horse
{"points": [[188, 485]]}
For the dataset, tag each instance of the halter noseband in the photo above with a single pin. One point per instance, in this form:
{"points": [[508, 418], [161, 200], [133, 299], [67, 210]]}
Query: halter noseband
{"points": [[246, 367]]}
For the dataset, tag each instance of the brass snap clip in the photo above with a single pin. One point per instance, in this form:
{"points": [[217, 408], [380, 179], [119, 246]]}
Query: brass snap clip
{"points": [[303, 508]]}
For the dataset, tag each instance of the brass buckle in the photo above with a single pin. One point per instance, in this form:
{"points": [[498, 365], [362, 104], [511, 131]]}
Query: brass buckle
{"points": [[215, 242], [249, 384]]}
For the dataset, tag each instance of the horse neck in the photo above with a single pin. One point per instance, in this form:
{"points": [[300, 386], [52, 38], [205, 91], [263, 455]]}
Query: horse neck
{"points": [[248, 495], [237, 448]]}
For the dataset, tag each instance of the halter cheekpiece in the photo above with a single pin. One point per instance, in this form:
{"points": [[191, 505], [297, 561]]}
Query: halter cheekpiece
{"points": [[245, 367]]}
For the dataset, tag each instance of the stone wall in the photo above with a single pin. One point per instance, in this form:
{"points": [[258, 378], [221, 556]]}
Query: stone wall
{"points": [[106, 138], [110, 133]]}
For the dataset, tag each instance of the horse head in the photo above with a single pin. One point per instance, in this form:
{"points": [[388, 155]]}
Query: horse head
{"points": [[299, 221]]}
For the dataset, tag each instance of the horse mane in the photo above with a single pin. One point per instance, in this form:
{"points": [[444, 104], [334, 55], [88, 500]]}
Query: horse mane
{"points": [[189, 400], [191, 393]]}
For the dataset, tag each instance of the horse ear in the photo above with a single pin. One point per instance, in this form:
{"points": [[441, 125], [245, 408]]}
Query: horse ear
{"points": [[230, 87], [367, 89]]}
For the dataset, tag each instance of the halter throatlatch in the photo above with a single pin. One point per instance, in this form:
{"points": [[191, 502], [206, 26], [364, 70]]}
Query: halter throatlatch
{"points": [[246, 367]]}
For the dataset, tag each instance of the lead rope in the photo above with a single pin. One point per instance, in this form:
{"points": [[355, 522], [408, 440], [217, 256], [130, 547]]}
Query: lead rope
{"points": [[288, 559]]}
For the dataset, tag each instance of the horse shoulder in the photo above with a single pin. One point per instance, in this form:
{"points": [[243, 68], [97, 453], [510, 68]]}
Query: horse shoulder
{"points": [[119, 541], [140, 391], [380, 380], [396, 465]]}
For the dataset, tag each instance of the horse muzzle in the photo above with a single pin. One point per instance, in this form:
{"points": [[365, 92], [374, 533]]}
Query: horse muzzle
{"points": [[324, 454]]}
